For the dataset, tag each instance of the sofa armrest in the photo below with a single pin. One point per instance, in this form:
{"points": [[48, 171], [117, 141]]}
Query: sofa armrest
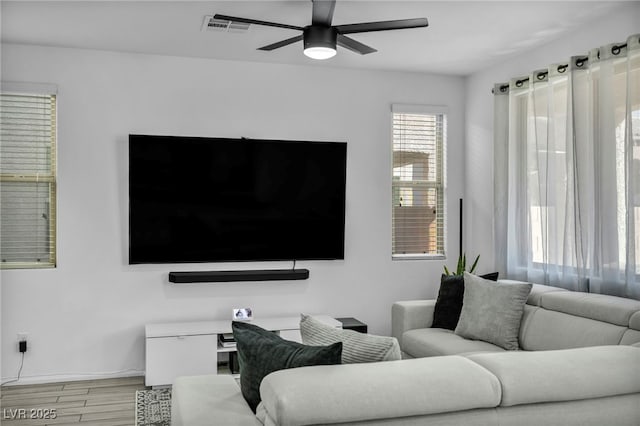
{"points": [[409, 315], [196, 400]]}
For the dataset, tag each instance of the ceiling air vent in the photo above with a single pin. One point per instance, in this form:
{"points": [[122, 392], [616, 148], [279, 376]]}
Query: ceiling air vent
{"points": [[212, 24]]}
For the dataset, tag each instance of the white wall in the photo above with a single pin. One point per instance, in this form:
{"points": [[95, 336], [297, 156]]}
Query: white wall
{"points": [[87, 316], [478, 215]]}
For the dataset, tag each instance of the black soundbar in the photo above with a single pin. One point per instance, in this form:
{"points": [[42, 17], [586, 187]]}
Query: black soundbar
{"points": [[249, 275]]}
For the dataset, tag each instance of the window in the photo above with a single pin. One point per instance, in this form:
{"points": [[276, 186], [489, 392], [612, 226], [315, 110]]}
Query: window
{"points": [[419, 139], [27, 179], [634, 152]]}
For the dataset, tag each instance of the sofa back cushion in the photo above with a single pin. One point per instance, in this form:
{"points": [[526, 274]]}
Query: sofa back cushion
{"points": [[630, 337], [600, 307], [575, 374], [555, 318], [634, 321], [374, 392], [538, 290], [543, 329]]}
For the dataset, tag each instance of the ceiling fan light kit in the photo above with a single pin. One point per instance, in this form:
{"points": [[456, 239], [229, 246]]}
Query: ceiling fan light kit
{"points": [[321, 38], [319, 52], [320, 42]]}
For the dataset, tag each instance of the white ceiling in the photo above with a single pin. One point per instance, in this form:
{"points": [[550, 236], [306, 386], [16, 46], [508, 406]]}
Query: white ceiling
{"points": [[462, 37]]}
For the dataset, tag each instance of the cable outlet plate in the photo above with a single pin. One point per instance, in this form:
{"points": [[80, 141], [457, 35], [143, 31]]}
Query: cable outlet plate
{"points": [[22, 337]]}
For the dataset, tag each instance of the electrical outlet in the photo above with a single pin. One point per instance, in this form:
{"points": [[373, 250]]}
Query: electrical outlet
{"points": [[22, 342]]}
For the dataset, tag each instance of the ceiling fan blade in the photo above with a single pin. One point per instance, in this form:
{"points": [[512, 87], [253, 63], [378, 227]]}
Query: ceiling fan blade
{"points": [[281, 43], [353, 45], [367, 27], [256, 22], [323, 12]]}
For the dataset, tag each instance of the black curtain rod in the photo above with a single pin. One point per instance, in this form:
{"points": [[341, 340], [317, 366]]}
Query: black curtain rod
{"points": [[615, 50]]}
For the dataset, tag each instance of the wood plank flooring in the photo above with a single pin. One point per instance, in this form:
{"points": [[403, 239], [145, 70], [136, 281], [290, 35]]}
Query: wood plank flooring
{"points": [[107, 402]]}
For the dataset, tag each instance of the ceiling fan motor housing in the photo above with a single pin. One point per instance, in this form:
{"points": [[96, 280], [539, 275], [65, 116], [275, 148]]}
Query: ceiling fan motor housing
{"points": [[317, 36]]}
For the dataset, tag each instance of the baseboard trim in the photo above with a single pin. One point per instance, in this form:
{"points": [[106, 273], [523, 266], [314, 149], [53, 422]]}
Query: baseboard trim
{"points": [[74, 377]]}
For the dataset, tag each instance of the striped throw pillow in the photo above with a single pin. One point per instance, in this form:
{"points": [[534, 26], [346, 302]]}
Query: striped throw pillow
{"points": [[356, 347]]}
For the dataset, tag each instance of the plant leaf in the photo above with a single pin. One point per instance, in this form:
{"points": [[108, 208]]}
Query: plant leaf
{"points": [[475, 263], [446, 270]]}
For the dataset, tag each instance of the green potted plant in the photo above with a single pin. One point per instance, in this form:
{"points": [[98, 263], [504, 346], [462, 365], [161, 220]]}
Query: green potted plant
{"points": [[462, 265]]}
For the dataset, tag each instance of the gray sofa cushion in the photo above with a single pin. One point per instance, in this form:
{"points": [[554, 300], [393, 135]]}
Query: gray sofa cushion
{"points": [[195, 400], [527, 316], [611, 411], [537, 291], [424, 342], [549, 330], [634, 321], [630, 337], [611, 309], [356, 347], [477, 417], [359, 392], [566, 375], [492, 311]]}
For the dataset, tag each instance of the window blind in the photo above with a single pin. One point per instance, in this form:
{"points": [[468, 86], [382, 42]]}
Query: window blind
{"points": [[27, 180], [418, 184]]}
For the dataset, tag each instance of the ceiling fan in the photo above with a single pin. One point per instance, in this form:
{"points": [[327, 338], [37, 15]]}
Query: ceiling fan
{"points": [[320, 38]]}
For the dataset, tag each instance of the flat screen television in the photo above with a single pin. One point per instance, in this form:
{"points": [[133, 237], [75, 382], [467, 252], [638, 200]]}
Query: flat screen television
{"points": [[195, 199]]}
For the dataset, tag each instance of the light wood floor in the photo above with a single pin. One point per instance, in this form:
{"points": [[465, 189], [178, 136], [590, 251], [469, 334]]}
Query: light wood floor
{"points": [[108, 402]]}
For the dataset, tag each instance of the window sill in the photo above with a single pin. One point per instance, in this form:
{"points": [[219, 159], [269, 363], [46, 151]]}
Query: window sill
{"points": [[26, 265], [418, 257]]}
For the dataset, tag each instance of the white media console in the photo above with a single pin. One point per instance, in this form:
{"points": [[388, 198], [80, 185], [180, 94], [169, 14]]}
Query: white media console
{"points": [[192, 348]]}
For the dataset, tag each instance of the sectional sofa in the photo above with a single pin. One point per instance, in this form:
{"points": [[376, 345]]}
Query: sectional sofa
{"points": [[553, 319], [580, 365]]}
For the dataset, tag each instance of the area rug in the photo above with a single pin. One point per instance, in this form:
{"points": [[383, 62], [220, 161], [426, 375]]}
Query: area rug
{"points": [[153, 407]]}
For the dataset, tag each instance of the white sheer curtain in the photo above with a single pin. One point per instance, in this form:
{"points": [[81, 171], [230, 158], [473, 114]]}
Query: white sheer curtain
{"points": [[567, 173]]}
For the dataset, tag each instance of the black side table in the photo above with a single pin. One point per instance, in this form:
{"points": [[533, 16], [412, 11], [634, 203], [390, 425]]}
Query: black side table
{"points": [[234, 364], [349, 323]]}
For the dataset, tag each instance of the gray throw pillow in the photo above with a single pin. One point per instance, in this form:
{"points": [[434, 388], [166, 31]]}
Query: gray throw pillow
{"points": [[492, 311], [356, 347]]}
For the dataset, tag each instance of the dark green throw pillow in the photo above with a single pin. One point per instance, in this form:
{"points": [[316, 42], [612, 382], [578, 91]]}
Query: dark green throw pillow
{"points": [[449, 303], [261, 352]]}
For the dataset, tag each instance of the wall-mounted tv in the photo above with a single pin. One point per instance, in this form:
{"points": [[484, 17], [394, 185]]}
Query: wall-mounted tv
{"points": [[197, 199]]}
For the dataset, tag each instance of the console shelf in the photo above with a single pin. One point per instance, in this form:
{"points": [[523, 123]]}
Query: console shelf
{"points": [[246, 275], [191, 348]]}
